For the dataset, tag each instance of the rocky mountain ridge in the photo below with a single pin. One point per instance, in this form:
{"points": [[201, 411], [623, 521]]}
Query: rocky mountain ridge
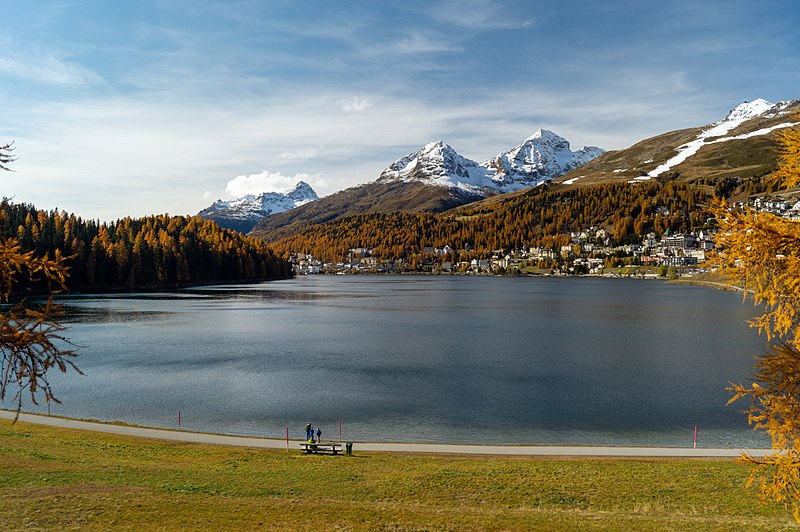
{"points": [[241, 214], [541, 157]]}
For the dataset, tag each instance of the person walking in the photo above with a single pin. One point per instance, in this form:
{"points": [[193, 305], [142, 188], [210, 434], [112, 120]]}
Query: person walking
{"points": [[309, 433], [319, 435]]}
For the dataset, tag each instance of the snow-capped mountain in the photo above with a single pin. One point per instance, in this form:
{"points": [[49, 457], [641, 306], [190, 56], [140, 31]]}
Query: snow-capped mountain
{"points": [[436, 178], [440, 165], [541, 157], [243, 213]]}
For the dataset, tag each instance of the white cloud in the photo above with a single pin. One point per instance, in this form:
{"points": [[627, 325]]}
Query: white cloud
{"points": [[355, 104], [207, 195], [265, 181]]}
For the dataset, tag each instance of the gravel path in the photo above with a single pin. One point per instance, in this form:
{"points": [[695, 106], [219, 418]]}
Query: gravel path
{"points": [[438, 448]]}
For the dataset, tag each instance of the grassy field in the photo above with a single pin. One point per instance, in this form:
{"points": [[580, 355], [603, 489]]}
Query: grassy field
{"points": [[57, 479]]}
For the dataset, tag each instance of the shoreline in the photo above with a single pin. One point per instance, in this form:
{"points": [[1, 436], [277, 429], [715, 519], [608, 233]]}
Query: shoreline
{"points": [[710, 284], [397, 447]]}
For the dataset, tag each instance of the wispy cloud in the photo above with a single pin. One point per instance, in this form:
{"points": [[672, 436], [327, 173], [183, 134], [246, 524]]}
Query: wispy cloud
{"points": [[43, 66], [418, 42], [480, 14], [301, 154]]}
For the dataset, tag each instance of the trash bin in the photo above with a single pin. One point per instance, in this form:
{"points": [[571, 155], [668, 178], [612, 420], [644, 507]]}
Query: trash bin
{"points": [[348, 448]]}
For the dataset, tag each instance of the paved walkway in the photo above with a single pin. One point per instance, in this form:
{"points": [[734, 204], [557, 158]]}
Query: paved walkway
{"points": [[439, 448]]}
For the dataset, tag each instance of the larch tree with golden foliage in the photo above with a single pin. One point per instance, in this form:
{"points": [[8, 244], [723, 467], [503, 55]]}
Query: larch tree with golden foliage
{"points": [[31, 337], [763, 251]]}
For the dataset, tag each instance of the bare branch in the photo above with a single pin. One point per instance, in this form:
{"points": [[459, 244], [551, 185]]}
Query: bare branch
{"points": [[7, 156]]}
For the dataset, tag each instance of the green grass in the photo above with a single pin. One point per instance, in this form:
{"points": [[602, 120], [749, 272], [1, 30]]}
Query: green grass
{"points": [[65, 479]]}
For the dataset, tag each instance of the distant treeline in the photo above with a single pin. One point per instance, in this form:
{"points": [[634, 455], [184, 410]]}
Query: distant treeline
{"points": [[543, 216], [149, 252]]}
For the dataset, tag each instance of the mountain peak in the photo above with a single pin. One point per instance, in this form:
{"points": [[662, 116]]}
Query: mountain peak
{"points": [[437, 148], [302, 188], [541, 157], [543, 134], [746, 110], [437, 163], [436, 144]]}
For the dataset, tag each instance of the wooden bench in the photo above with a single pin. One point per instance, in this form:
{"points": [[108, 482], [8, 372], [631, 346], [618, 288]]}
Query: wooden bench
{"points": [[325, 448]]}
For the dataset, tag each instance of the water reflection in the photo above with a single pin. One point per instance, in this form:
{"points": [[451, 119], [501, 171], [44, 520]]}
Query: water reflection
{"points": [[421, 359]]}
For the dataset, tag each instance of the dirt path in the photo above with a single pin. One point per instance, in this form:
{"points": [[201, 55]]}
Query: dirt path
{"points": [[437, 448]]}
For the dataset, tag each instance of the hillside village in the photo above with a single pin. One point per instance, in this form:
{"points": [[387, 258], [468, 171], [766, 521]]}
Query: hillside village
{"points": [[590, 251]]}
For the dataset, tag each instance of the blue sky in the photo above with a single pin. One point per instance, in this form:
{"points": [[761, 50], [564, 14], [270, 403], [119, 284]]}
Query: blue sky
{"points": [[126, 108]]}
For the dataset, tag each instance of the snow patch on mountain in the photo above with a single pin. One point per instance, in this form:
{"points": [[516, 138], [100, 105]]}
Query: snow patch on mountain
{"points": [[716, 133], [541, 157]]}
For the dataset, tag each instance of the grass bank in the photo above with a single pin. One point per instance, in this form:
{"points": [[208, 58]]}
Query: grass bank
{"points": [[54, 478]]}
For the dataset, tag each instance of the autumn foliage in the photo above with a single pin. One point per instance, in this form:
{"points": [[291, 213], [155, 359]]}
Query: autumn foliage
{"points": [[764, 252], [543, 216], [31, 339], [148, 252]]}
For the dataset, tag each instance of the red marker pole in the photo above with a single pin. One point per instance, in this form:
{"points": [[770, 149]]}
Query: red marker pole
{"points": [[287, 439], [695, 436], [179, 419]]}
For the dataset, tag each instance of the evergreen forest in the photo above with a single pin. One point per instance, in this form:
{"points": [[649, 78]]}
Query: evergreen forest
{"points": [[149, 252]]}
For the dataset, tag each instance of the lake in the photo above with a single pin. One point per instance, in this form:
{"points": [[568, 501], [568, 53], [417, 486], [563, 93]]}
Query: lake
{"points": [[421, 358]]}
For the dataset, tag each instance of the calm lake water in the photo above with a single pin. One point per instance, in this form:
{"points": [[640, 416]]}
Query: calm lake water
{"points": [[421, 358]]}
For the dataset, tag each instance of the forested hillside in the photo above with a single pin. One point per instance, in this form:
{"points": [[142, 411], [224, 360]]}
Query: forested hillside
{"points": [[542, 216], [141, 253]]}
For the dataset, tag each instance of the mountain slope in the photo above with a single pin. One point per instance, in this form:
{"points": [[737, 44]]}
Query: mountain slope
{"points": [[242, 214], [386, 196], [740, 145], [539, 216]]}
